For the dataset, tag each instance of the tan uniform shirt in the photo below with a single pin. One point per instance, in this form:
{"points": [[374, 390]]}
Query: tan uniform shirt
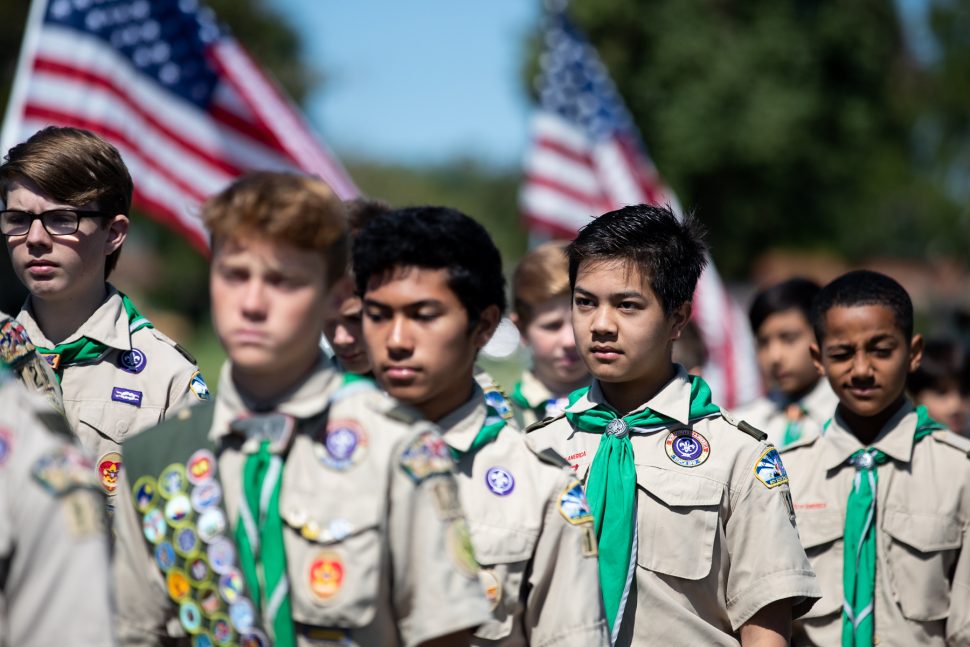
{"points": [[19, 353], [768, 413], [715, 542], [377, 546], [53, 546], [537, 394], [144, 376], [532, 534], [922, 516]]}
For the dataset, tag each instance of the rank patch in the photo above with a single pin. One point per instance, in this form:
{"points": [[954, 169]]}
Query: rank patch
{"points": [[686, 447], [198, 386], [326, 575], [573, 505], [109, 465], [499, 480], [426, 456], [127, 396], [770, 470], [132, 361]]}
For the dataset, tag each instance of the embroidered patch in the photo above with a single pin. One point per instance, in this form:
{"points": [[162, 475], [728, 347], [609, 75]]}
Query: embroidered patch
{"points": [[446, 500], [177, 584], [186, 542], [589, 542], [231, 585], [144, 494], [256, 638], [573, 505], [222, 555], [426, 456], [198, 570], [198, 386], [499, 480], [178, 510], [64, 470], [132, 361], [242, 615], [154, 526], [211, 524], [52, 359], [6, 444], [770, 470], [127, 396], [109, 466], [497, 400], [172, 480], [460, 546], [206, 496], [190, 617], [222, 630], [200, 467], [491, 586], [15, 346], [165, 556], [344, 444], [326, 575], [686, 447]]}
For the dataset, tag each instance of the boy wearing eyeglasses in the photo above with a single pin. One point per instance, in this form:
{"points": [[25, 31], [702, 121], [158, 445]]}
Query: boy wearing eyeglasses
{"points": [[66, 195]]}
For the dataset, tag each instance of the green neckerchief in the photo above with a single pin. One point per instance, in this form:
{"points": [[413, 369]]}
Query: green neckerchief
{"points": [[793, 430], [493, 424], [859, 561], [86, 350], [519, 400], [612, 483]]}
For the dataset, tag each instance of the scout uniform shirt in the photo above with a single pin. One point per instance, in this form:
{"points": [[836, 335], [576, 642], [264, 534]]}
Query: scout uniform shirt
{"points": [[19, 353], [374, 549], [922, 516], [531, 530], [53, 546], [786, 422], [137, 380], [533, 401], [714, 540]]}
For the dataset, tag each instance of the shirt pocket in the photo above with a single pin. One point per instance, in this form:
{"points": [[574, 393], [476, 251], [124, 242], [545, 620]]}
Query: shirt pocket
{"points": [[677, 521], [921, 552], [821, 535], [115, 421], [504, 555]]}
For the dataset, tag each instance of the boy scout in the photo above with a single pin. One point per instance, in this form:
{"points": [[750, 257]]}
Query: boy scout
{"points": [[942, 383], [53, 547], [799, 401], [431, 280], [303, 506], [686, 498], [20, 355], [883, 495], [66, 195], [540, 302]]}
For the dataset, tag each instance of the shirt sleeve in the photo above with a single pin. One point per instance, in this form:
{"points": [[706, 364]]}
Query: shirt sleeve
{"points": [[958, 621]]}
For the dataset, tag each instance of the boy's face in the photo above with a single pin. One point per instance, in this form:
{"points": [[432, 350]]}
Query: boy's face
{"points": [[946, 403], [622, 332], [784, 352], [61, 267], [268, 304], [866, 357], [549, 335], [416, 331], [343, 327]]}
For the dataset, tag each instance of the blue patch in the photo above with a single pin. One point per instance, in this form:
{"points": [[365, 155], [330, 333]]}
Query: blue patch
{"points": [[132, 361], [499, 480], [573, 505], [341, 443], [242, 615], [165, 556], [770, 470], [495, 399], [128, 396], [190, 616], [198, 386]]}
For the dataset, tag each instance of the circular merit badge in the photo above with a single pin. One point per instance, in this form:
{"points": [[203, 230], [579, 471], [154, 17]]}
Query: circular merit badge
{"points": [[200, 467], [326, 575], [144, 494], [172, 480], [154, 526], [108, 467], [178, 510], [190, 617], [165, 556], [687, 447], [132, 361], [178, 585]]}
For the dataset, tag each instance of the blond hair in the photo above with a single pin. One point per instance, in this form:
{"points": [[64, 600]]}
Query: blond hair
{"points": [[541, 274]]}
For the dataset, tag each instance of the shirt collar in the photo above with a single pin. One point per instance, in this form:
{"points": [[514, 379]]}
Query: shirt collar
{"points": [[820, 402], [672, 400], [107, 325], [461, 426], [895, 439], [534, 391]]}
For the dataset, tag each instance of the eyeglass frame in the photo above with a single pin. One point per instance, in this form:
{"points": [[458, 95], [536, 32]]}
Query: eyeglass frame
{"points": [[79, 213]]}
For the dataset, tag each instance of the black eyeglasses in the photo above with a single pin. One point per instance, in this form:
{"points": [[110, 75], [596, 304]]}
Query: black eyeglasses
{"points": [[57, 222]]}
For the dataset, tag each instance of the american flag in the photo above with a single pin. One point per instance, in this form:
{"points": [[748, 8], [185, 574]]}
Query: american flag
{"points": [[183, 102], [587, 158]]}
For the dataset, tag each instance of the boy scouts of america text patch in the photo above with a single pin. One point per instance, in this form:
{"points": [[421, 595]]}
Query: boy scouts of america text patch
{"points": [[770, 470]]}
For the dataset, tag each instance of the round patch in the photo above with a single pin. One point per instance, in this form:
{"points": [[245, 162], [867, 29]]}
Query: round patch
{"points": [[109, 466], [344, 443], [178, 510], [198, 570], [231, 585], [241, 615], [499, 480], [209, 600], [190, 617], [326, 575], [200, 467], [178, 585], [460, 544], [144, 494], [172, 481], [491, 586], [211, 524], [6, 442], [186, 542], [165, 556], [339, 529], [687, 448], [222, 555], [133, 361], [221, 630], [254, 638], [154, 526], [202, 640], [206, 495]]}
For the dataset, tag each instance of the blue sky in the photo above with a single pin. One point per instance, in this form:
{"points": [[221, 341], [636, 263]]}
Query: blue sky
{"points": [[418, 85]]}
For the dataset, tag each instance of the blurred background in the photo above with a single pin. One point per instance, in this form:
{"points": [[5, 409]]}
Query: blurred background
{"points": [[809, 137]]}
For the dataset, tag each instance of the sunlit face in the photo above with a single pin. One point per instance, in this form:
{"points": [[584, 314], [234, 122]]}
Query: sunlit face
{"points": [[946, 403], [549, 335], [268, 305], [61, 268], [343, 327], [417, 335], [866, 357], [621, 329], [784, 352]]}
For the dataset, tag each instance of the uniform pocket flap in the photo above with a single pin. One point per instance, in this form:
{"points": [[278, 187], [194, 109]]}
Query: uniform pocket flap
{"points": [[495, 544], [819, 527], [684, 490], [926, 533]]}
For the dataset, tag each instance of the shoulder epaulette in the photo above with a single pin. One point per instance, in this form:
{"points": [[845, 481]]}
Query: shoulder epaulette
{"points": [[548, 455], [954, 440], [395, 410], [539, 424], [804, 441], [747, 428]]}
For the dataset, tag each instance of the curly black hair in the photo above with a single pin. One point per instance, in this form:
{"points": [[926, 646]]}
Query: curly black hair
{"points": [[864, 288]]}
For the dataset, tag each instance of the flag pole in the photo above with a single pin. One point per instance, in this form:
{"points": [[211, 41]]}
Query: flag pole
{"points": [[13, 117]]}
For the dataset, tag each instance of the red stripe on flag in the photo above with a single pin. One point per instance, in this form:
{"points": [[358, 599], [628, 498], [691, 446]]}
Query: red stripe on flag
{"points": [[594, 202], [563, 150], [164, 214]]}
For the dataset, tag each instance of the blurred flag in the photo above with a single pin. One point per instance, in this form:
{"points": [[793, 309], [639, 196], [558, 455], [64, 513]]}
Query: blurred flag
{"points": [[587, 158], [182, 101]]}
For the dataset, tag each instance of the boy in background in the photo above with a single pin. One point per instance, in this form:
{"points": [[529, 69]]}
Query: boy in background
{"points": [[942, 384]]}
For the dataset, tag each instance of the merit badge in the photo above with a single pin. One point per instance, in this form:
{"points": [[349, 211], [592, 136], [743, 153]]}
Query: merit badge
{"points": [[127, 396], [206, 496], [178, 510], [460, 544], [770, 470], [687, 447], [426, 456], [165, 556], [209, 599], [198, 570], [222, 555], [256, 638], [178, 584], [172, 480], [132, 361], [108, 467], [326, 575], [221, 630], [491, 586], [154, 526], [144, 493], [186, 542], [200, 467], [203, 640], [499, 480], [231, 585], [241, 615], [190, 617], [198, 386], [495, 399], [6, 441], [211, 524], [344, 444], [573, 505]]}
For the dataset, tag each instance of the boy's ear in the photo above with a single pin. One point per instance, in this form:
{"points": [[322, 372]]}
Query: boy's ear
{"points": [[487, 323], [915, 352], [817, 358], [679, 318], [117, 233], [515, 319]]}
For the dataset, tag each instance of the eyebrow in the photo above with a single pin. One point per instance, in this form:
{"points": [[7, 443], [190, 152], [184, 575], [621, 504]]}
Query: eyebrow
{"points": [[413, 305], [626, 294]]}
